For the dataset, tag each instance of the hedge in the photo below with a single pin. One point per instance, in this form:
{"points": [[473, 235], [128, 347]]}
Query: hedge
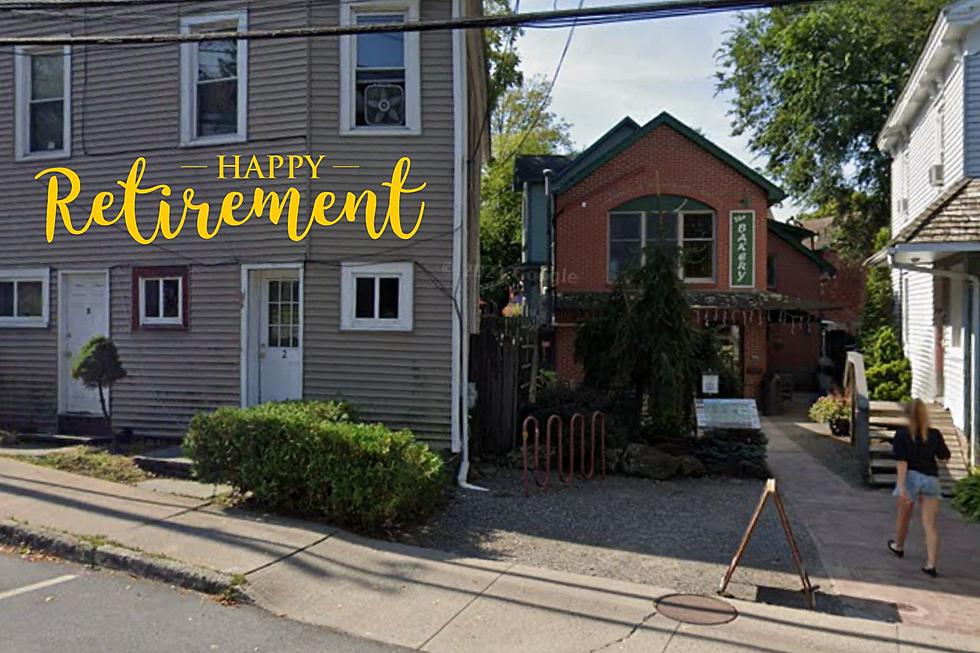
{"points": [[309, 459]]}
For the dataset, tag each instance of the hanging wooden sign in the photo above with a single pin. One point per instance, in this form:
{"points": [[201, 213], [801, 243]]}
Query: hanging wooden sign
{"points": [[742, 247]]}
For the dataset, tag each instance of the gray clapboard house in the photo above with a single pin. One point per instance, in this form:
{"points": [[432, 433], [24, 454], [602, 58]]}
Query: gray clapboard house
{"points": [[248, 316]]}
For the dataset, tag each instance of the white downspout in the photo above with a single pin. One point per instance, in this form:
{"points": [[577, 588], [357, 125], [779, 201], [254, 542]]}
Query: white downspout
{"points": [[461, 272], [974, 282]]}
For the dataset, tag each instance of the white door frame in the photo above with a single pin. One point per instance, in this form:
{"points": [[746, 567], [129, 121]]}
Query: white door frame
{"points": [[247, 300], [62, 312]]}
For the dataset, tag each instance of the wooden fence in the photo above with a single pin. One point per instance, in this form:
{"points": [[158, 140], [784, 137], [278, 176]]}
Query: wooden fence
{"points": [[503, 364]]}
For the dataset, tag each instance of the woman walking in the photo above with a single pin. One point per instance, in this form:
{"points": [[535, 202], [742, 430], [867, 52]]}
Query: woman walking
{"points": [[916, 449]]}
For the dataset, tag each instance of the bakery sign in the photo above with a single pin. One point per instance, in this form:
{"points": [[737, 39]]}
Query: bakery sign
{"points": [[743, 249]]}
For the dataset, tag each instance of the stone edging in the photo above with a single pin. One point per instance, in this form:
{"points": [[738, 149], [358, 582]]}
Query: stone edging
{"points": [[113, 556]]}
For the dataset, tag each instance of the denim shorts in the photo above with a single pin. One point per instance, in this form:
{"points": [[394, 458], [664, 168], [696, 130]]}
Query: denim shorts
{"points": [[918, 485]]}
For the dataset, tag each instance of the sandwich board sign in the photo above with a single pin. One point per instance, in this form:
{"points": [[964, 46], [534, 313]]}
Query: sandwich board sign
{"points": [[726, 414]]}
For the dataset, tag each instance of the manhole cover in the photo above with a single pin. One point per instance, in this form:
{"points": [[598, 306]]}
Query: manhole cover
{"points": [[696, 609]]}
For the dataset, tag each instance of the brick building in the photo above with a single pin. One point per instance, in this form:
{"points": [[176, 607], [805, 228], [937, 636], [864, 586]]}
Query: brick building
{"points": [[665, 182]]}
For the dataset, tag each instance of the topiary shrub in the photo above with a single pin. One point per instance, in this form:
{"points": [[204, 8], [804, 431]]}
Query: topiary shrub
{"points": [[308, 459], [888, 372], [966, 495], [97, 365]]}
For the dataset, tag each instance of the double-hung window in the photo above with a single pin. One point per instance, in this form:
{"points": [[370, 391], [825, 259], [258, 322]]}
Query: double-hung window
{"points": [[214, 81], [376, 297], [698, 247], [380, 90], [160, 298], [24, 297], [43, 100], [692, 234]]}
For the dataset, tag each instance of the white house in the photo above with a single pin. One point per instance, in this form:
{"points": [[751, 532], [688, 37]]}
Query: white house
{"points": [[933, 138]]}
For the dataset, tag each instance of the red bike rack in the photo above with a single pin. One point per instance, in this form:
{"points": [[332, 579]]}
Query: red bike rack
{"points": [[542, 473]]}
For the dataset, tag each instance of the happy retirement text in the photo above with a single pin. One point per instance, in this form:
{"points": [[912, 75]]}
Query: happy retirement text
{"points": [[64, 187]]}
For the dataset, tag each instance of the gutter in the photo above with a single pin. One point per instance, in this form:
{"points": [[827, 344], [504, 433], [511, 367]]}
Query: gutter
{"points": [[974, 281]]}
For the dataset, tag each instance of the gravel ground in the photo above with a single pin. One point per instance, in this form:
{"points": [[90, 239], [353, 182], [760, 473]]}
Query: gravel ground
{"points": [[677, 534]]}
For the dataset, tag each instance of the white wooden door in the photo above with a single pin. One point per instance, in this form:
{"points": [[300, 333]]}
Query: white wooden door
{"points": [[84, 314], [280, 351]]}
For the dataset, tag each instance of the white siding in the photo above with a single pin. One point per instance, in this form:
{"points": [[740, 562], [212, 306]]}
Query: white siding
{"points": [[919, 339], [911, 164], [954, 348]]}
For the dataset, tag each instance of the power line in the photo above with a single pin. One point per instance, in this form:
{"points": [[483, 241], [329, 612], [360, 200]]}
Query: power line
{"points": [[537, 19], [546, 100]]}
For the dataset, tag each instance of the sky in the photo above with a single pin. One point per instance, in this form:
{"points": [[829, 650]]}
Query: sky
{"points": [[637, 69]]}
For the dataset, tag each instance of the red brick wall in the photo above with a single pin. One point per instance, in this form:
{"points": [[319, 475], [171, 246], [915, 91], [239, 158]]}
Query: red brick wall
{"points": [[796, 274], [845, 292], [667, 163], [663, 162]]}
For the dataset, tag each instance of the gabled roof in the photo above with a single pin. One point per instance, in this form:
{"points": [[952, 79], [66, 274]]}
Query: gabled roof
{"points": [[951, 218], [942, 45], [583, 165], [587, 160], [791, 235], [531, 167]]}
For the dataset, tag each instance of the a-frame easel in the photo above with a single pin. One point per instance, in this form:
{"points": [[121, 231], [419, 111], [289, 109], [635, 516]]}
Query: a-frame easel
{"points": [[771, 491]]}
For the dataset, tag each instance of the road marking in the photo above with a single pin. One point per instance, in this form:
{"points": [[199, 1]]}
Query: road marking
{"points": [[36, 586]]}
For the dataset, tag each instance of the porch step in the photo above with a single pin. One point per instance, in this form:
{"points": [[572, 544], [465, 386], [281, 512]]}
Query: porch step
{"points": [[63, 440], [885, 417], [168, 461], [886, 408]]}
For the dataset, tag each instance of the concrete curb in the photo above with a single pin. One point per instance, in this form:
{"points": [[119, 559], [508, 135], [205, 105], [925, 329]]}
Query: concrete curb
{"points": [[112, 556]]}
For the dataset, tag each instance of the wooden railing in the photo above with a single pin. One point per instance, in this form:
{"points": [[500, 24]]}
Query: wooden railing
{"points": [[856, 392]]}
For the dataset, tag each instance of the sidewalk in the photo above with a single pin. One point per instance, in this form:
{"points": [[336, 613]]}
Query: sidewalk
{"points": [[421, 598], [851, 525]]}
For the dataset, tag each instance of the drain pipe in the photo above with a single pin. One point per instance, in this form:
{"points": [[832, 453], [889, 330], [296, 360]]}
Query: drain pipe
{"points": [[974, 282], [461, 272]]}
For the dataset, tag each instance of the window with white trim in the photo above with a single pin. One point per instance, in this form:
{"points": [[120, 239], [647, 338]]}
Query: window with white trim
{"points": [[24, 297], [376, 296], [380, 89], [161, 297], [214, 81], [691, 232], [42, 79]]}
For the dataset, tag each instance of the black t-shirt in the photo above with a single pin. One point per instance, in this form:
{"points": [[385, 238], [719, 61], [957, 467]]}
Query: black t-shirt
{"points": [[921, 456]]}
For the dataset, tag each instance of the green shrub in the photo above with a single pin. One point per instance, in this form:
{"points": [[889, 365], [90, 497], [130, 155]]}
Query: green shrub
{"points": [[734, 452], [308, 459], [888, 372], [622, 416], [891, 381], [966, 495], [829, 409]]}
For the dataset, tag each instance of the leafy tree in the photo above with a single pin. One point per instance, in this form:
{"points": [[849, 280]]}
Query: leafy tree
{"points": [[641, 341], [97, 365], [878, 301], [522, 124], [502, 58], [812, 88]]}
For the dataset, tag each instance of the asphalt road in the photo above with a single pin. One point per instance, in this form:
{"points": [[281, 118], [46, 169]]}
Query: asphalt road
{"points": [[53, 606]]}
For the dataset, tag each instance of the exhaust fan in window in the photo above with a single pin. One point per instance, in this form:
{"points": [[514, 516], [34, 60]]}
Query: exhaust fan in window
{"points": [[937, 175], [384, 104]]}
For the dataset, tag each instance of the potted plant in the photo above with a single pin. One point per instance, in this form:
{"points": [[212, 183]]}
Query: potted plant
{"points": [[832, 410]]}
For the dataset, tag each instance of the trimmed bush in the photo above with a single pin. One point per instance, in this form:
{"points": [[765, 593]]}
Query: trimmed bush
{"points": [[966, 495], [734, 452], [310, 460]]}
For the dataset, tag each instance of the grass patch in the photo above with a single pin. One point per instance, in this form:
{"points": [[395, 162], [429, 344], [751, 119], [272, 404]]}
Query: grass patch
{"points": [[90, 461]]}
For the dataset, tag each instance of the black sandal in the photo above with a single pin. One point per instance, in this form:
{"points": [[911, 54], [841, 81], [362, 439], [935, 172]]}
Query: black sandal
{"points": [[930, 571], [894, 549]]}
